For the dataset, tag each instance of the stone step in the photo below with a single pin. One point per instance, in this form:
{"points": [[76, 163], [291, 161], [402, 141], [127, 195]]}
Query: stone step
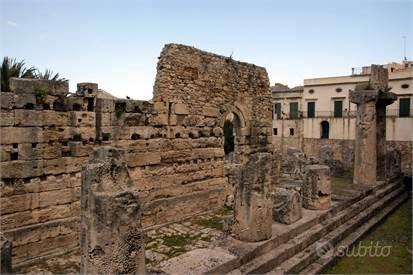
{"points": [[357, 226], [337, 216], [320, 265]]}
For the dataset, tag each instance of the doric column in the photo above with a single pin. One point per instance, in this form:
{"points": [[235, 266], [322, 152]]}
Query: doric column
{"points": [[365, 160], [253, 203], [111, 234]]}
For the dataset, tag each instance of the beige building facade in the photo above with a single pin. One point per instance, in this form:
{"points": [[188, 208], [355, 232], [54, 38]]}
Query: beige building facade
{"points": [[320, 112]]}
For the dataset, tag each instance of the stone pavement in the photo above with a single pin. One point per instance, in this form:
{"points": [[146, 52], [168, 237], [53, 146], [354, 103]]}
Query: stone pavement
{"points": [[161, 244]]}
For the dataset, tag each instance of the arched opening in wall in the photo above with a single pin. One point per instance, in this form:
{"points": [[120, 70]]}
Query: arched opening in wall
{"points": [[231, 127], [325, 129]]}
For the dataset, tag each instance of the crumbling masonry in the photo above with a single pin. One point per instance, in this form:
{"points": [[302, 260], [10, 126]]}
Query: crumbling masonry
{"points": [[173, 146]]}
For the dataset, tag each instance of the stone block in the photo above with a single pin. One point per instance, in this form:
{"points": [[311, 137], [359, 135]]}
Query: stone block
{"points": [[7, 100], [55, 197], [316, 189], [287, 206], [105, 105], [211, 112], [41, 118], [31, 86], [25, 101], [159, 120], [160, 107], [180, 109], [21, 169], [143, 159], [82, 119], [6, 118]]}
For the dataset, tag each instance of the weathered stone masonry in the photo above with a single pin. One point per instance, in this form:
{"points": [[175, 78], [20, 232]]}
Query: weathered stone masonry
{"points": [[173, 146]]}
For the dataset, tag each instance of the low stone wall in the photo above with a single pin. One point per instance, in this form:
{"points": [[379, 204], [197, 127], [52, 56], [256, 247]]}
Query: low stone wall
{"points": [[173, 145], [344, 151]]}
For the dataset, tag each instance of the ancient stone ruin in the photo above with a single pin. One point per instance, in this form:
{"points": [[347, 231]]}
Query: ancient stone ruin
{"points": [[370, 150], [112, 239], [316, 190], [156, 179], [253, 203]]}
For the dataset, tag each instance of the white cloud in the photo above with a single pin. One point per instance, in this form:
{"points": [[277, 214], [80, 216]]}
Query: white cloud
{"points": [[12, 23]]}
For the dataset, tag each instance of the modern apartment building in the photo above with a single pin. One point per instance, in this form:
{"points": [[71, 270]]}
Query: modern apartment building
{"points": [[320, 112]]}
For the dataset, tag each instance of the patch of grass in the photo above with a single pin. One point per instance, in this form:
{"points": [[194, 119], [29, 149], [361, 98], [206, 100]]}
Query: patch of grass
{"points": [[213, 222], [394, 231], [178, 240]]}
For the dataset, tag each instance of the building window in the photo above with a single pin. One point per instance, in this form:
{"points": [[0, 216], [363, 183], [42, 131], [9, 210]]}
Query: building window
{"points": [[293, 109], [276, 111], [404, 110], [339, 90], [405, 86], [275, 131], [310, 109], [325, 129], [291, 131], [338, 108], [311, 91]]}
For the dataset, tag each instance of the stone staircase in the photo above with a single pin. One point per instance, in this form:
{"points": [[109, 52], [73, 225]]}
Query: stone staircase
{"points": [[342, 225]]}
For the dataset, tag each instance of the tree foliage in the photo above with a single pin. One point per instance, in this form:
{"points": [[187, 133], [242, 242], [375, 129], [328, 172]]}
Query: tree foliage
{"points": [[10, 67]]}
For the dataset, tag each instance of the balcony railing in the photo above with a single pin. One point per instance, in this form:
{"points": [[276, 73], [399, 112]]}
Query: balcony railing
{"points": [[345, 114]]}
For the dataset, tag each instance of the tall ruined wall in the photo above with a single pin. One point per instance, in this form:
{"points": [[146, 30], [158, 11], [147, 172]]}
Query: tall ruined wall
{"points": [[173, 146]]}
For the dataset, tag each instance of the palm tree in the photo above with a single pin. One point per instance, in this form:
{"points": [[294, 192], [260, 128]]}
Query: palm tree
{"points": [[48, 75], [12, 68]]}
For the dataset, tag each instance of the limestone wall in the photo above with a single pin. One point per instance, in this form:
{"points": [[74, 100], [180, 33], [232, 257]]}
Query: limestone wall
{"points": [[173, 145], [344, 151]]}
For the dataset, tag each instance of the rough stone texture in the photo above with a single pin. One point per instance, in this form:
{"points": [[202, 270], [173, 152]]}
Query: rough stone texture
{"points": [[393, 164], [287, 205], [111, 234], [253, 203], [344, 151], [173, 145], [6, 259], [327, 158], [371, 100], [316, 190]]}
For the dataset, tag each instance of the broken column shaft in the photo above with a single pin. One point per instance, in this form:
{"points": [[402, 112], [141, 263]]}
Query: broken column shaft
{"points": [[253, 203], [316, 189], [111, 233]]}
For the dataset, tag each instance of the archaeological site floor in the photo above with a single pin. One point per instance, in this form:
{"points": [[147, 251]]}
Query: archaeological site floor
{"points": [[202, 244]]}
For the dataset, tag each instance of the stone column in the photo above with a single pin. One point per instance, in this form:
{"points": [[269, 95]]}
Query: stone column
{"points": [[6, 258], [253, 203], [111, 235], [370, 144], [316, 190], [381, 140], [365, 159]]}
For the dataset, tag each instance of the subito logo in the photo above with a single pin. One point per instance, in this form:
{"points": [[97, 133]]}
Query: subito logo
{"points": [[324, 250]]}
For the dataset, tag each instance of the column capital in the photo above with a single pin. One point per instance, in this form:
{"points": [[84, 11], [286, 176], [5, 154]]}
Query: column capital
{"points": [[363, 96]]}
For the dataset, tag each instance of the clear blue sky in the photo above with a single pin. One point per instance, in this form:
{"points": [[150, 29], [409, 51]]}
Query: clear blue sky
{"points": [[116, 43]]}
